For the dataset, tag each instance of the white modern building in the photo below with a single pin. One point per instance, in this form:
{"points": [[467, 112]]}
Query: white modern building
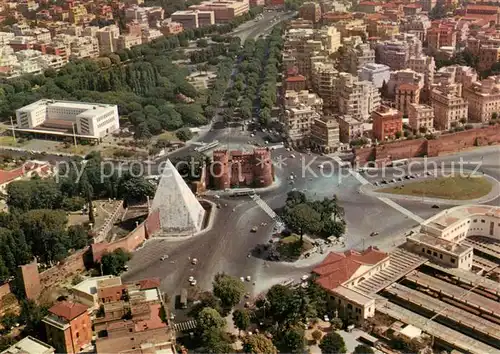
{"points": [[375, 73], [66, 118]]}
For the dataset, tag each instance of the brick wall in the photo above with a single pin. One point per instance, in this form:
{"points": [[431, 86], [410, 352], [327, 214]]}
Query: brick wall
{"points": [[128, 243], [28, 273], [66, 269], [445, 144]]}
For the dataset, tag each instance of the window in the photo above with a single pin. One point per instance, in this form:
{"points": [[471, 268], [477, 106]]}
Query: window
{"points": [[429, 252], [483, 221], [440, 256], [453, 260], [423, 250], [435, 254]]}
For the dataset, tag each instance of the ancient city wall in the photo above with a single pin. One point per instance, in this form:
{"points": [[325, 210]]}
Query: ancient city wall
{"points": [[66, 269], [445, 144]]}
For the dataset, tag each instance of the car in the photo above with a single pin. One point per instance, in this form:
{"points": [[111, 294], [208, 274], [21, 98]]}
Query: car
{"points": [[377, 184], [217, 196], [218, 206], [383, 181], [194, 282], [248, 278], [254, 229], [163, 257], [194, 261], [326, 318], [400, 179], [172, 316], [373, 233], [407, 177], [428, 173], [292, 156], [190, 279], [242, 279], [304, 277], [435, 206], [393, 180]]}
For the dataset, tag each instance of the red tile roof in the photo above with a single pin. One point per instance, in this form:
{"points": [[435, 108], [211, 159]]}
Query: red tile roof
{"points": [[150, 283], [337, 268], [297, 78], [8, 176], [68, 310]]}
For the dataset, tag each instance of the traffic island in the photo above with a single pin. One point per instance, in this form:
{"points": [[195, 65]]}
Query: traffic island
{"points": [[449, 188]]}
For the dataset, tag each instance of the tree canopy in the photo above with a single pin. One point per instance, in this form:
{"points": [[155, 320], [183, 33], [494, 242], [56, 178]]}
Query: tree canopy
{"points": [[228, 289], [333, 343], [258, 344], [113, 263]]}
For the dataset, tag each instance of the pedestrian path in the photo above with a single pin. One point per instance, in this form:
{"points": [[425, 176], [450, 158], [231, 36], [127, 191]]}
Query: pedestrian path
{"points": [[267, 209], [185, 326]]}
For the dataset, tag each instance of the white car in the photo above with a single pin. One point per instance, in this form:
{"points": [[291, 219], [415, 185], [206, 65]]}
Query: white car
{"points": [[249, 278], [193, 283], [163, 257], [242, 279], [304, 277], [326, 318], [194, 261], [191, 279]]}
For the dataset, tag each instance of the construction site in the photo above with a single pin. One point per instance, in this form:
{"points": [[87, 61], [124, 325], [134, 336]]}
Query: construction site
{"points": [[443, 283]]}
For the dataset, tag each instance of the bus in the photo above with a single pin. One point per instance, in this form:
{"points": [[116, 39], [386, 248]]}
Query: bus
{"points": [[183, 301], [243, 192]]}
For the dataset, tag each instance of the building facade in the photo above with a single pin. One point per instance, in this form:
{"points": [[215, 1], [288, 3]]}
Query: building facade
{"points": [[387, 122], [421, 117], [483, 98]]}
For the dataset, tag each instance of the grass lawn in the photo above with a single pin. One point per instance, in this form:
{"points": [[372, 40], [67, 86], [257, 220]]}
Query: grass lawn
{"points": [[290, 248], [456, 187], [6, 140], [168, 136]]}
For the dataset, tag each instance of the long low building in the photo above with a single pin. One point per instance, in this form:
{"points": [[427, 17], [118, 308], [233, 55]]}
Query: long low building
{"points": [[68, 118]]}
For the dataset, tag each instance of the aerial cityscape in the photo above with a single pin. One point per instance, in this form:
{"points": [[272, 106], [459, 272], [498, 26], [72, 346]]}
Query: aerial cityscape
{"points": [[249, 176]]}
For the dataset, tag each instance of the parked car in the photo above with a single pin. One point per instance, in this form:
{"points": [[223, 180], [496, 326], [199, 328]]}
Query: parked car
{"points": [[163, 257], [373, 233], [435, 206], [254, 229], [194, 261]]}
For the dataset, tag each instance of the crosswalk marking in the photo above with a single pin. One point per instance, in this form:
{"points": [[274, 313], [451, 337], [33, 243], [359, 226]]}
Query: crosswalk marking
{"points": [[185, 326], [402, 210], [267, 209]]}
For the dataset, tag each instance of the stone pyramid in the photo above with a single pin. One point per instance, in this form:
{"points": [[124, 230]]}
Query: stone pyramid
{"points": [[179, 210]]}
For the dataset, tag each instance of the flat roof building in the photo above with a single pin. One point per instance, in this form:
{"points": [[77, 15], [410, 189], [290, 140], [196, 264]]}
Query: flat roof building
{"points": [[224, 10], [68, 118], [29, 345]]}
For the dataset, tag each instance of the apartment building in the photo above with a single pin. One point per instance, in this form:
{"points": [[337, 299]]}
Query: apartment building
{"points": [[377, 74], [421, 117], [169, 27], [396, 52], [486, 47], [356, 55], [310, 11], [127, 41], [387, 122], [325, 135], [406, 94], [303, 98], [357, 98], [136, 13], [349, 129], [416, 25], [107, 37], [68, 327], [483, 98], [456, 74], [298, 122], [401, 77], [324, 82], [449, 107], [224, 10], [426, 66], [84, 47], [441, 34]]}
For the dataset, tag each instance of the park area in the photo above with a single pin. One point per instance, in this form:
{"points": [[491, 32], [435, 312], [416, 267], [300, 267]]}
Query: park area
{"points": [[453, 188]]}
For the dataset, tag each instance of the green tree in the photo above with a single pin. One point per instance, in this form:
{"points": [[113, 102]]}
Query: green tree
{"points": [[184, 134], [9, 320], [293, 340], [216, 341], [303, 218], [209, 318], [363, 349], [228, 289], [494, 115], [333, 343], [32, 315], [34, 194], [78, 237], [73, 203], [398, 134], [4, 271], [258, 344], [114, 263], [134, 189], [241, 319]]}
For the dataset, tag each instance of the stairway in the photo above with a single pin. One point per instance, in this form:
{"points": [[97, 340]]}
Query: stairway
{"points": [[402, 262]]}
